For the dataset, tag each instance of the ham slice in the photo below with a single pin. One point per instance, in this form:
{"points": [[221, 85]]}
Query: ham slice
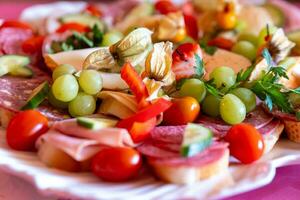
{"points": [[115, 137], [78, 148]]}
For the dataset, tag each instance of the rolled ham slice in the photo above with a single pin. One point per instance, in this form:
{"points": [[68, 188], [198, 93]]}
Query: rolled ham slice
{"points": [[78, 148], [115, 137]]}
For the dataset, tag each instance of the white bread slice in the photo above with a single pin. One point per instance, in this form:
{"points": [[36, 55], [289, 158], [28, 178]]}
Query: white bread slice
{"points": [[271, 138], [190, 174], [292, 129]]}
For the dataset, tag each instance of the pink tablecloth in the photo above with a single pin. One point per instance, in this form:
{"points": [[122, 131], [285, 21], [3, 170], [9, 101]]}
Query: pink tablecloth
{"points": [[285, 186]]}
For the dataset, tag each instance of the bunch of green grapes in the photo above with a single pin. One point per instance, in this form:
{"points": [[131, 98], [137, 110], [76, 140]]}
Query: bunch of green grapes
{"points": [[77, 94]]}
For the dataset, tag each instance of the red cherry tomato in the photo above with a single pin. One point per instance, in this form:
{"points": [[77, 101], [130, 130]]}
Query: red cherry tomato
{"points": [[245, 143], [164, 7], [73, 26], [25, 128], [116, 164], [183, 110]]}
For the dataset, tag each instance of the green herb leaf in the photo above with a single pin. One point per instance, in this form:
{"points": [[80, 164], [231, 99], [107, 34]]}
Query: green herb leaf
{"points": [[83, 38], [97, 35], [212, 89], [296, 91], [208, 49], [244, 75], [199, 68]]}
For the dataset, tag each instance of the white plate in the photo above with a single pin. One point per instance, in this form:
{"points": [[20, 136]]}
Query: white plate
{"points": [[241, 178]]}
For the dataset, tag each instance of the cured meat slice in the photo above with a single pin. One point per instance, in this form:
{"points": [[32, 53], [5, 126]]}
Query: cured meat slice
{"points": [[11, 40], [79, 149], [258, 118], [115, 137], [14, 91], [169, 134]]}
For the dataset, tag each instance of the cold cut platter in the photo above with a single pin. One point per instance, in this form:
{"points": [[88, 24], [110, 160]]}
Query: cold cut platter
{"points": [[167, 100]]}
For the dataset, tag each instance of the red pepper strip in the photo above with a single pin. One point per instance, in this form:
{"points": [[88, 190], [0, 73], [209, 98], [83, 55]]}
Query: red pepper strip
{"points": [[146, 114], [222, 43], [140, 124], [164, 7], [140, 131], [93, 10], [191, 26], [33, 44], [135, 83], [73, 26], [15, 24]]}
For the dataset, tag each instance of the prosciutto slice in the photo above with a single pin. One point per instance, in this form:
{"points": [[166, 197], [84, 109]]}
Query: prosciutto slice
{"points": [[116, 137]]}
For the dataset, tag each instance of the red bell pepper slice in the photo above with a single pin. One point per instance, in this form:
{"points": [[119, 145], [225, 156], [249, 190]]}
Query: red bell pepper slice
{"points": [[221, 42], [15, 24], [135, 83], [93, 10], [33, 45], [139, 131], [73, 26], [135, 123], [165, 6], [191, 26]]}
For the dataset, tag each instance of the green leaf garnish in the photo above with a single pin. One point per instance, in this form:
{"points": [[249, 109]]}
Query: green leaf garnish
{"points": [[298, 115], [244, 75], [199, 68], [212, 89], [83, 38]]}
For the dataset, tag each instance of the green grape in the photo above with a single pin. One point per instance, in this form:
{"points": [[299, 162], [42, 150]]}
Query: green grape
{"points": [[56, 103], [111, 38], [62, 70], [65, 88], [263, 33], [90, 81], [224, 77], [248, 37], [247, 97], [232, 109], [82, 105], [194, 88], [211, 105], [245, 48]]}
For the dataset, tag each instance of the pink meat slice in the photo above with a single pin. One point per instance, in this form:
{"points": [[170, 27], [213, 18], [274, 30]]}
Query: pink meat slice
{"points": [[258, 118], [11, 40], [115, 137], [14, 92], [270, 127], [78, 148]]}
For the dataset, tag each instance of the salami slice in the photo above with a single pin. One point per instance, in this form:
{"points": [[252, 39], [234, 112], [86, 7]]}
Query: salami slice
{"points": [[11, 40], [258, 118], [14, 92]]}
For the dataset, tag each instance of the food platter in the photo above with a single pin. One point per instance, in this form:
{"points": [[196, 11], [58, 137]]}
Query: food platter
{"points": [[84, 185], [127, 108]]}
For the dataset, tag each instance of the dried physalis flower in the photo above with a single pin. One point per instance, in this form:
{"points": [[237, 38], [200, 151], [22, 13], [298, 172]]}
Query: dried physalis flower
{"points": [[159, 62], [101, 60], [158, 70], [171, 27], [133, 48], [279, 45]]}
